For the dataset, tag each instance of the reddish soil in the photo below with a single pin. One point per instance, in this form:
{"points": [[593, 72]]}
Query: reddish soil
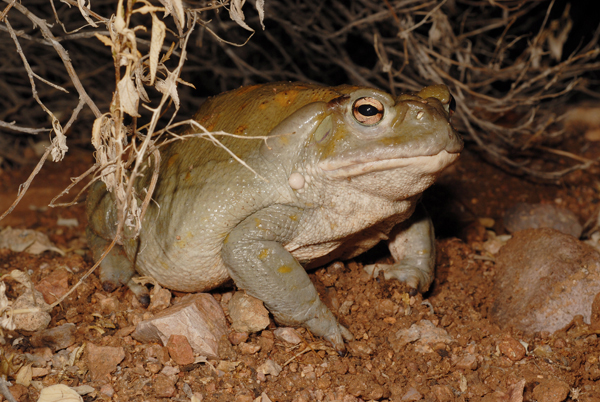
{"points": [[483, 361]]}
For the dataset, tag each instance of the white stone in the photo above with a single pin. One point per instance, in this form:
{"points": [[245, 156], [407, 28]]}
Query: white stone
{"points": [[198, 317], [247, 313]]}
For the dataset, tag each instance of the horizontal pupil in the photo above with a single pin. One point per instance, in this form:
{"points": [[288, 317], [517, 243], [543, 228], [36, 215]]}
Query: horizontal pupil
{"points": [[368, 110]]}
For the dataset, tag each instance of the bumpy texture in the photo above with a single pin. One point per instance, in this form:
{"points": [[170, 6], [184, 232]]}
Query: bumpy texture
{"points": [[340, 169]]}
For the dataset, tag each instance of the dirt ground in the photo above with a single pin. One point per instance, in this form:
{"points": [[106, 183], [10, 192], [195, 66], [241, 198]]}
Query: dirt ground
{"points": [[474, 358]]}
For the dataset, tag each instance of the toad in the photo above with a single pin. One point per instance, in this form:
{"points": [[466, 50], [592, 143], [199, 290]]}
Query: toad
{"points": [[334, 171]]}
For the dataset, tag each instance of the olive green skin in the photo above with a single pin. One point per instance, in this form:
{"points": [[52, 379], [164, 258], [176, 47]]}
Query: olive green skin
{"points": [[318, 185]]}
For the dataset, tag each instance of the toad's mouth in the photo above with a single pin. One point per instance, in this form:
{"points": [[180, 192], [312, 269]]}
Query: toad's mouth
{"points": [[425, 164]]}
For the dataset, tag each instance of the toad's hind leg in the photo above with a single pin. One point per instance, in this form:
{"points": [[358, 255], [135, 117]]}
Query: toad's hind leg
{"points": [[116, 269]]}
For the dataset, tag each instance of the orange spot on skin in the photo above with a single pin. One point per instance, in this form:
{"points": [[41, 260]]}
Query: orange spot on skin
{"points": [[284, 269], [286, 98], [240, 129], [264, 253], [188, 175], [172, 160], [263, 105], [294, 217], [210, 120]]}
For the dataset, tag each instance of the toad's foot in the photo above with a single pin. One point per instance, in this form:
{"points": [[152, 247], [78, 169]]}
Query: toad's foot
{"points": [[415, 272], [323, 323]]}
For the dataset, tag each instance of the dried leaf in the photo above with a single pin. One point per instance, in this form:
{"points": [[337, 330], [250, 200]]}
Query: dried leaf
{"points": [[236, 13], [139, 83], [175, 7], [260, 7], [104, 39], [24, 376], [128, 96], [149, 9], [59, 392], [158, 37], [28, 240], [85, 12], [21, 277], [98, 128], [59, 142], [169, 87], [118, 21]]}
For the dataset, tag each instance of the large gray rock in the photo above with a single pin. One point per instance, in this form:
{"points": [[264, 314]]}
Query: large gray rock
{"points": [[533, 216], [544, 279]]}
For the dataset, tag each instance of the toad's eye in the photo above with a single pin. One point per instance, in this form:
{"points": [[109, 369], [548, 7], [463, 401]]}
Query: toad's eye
{"points": [[367, 111]]}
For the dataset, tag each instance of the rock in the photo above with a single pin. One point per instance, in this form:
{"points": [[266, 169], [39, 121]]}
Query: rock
{"points": [[107, 390], [108, 304], [443, 393], [248, 348], [266, 341], [226, 350], [198, 317], [160, 300], [424, 333], [385, 308], [125, 331], [54, 286], [467, 362], [170, 371], [39, 357], [359, 349], [512, 349], [238, 337], [533, 216], [269, 367], [288, 335], [552, 390], [595, 316], [164, 386], [56, 338], [37, 318], [180, 350], [544, 278], [226, 366], [262, 398], [411, 395], [160, 353], [247, 313], [102, 360]]}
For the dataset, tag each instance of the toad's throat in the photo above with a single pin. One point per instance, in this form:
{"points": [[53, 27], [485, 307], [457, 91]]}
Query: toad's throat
{"points": [[423, 164]]}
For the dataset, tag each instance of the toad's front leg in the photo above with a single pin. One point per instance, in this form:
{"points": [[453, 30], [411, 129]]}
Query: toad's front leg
{"points": [[412, 244], [259, 264]]}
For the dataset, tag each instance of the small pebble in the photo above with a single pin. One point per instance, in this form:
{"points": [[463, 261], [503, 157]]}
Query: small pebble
{"points": [[553, 390], [512, 349], [107, 390], [288, 335]]}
